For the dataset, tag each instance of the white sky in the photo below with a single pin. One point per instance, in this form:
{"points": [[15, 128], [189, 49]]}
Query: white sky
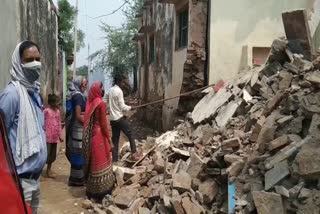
{"points": [[90, 27]]}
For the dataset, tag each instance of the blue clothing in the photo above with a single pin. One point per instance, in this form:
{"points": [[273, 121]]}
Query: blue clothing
{"points": [[10, 105]]}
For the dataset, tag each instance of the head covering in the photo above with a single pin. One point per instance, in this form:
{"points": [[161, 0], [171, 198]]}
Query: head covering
{"points": [[17, 73], [77, 83], [94, 100], [29, 138]]}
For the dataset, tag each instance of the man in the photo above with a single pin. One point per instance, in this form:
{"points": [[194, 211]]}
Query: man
{"points": [[118, 121], [22, 106]]}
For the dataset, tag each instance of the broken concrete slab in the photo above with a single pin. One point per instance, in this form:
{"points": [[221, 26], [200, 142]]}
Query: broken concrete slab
{"points": [[226, 113], [125, 197], [276, 174], [314, 129], [313, 77], [267, 203], [177, 207], [196, 165], [143, 210], [297, 30], [285, 83], [209, 105], [231, 158], [181, 181], [209, 190]]}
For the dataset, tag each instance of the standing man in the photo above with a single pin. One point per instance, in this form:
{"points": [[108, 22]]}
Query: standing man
{"points": [[22, 106], [117, 119]]}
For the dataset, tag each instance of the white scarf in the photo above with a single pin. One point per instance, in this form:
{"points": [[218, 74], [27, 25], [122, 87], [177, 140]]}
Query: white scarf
{"points": [[29, 138]]}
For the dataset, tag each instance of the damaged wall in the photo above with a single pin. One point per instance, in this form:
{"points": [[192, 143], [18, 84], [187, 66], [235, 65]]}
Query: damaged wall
{"points": [[234, 32], [164, 76], [33, 20]]}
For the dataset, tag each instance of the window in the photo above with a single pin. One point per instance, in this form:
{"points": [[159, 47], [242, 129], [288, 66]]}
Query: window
{"points": [[151, 49], [142, 53], [183, 28]]}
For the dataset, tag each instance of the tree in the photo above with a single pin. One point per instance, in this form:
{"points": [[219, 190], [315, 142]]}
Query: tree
{"points": [[120, 53], [66, 28], [82, 71]]}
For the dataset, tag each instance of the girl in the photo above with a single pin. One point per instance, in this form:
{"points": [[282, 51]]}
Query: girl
{"points": [[53, 131]]}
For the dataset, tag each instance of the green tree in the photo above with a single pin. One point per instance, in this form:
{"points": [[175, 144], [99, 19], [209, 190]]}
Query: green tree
{"points": [[66, 28], [82, 71], [120, 53]]}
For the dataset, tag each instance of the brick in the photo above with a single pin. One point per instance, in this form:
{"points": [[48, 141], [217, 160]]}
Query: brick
{"points": [[125, 197], [231, 143], [196, 165], [278, 143], [190, 207]]}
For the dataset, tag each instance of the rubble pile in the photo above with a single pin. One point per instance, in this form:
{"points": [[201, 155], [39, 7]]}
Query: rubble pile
{"points": [[259, 133]]}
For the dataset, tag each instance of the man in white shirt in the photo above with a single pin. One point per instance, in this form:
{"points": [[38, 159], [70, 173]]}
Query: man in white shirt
{"points": [[118, 121]]}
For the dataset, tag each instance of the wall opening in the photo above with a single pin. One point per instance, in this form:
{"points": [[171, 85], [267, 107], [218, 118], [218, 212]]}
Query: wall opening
{"points": [[260, 55], [182, 28]]}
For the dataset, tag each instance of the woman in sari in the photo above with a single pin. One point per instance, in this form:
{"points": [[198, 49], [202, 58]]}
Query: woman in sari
{"points": [[75, 132], [99, 177]]}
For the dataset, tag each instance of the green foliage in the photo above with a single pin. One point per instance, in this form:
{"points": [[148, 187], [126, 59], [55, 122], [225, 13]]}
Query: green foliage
{"points": [[66, 28], [120, 53], [82, 71]]}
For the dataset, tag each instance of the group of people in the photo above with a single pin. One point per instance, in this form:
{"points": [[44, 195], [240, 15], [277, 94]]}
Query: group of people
{"points": [[35, 130]]}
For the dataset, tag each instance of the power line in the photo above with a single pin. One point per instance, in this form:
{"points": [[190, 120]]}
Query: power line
{"points": [[113, 12]]}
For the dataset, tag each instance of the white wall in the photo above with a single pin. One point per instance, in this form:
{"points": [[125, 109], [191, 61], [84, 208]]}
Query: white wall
{"points": [[235, 25]]}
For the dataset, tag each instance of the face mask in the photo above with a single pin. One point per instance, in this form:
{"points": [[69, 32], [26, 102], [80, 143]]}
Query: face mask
{"points": [[32, 70]]}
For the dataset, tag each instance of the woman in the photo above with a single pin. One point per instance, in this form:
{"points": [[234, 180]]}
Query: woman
{"points": [[75, 133], [97, 146]]}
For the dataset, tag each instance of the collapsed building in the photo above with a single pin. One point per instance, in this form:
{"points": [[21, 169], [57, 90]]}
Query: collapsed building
{"points": [[250, 145], [184, 45]]}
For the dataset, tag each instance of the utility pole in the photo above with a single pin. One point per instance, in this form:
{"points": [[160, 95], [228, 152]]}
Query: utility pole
{"points": [[89, 63], [75, 40]]}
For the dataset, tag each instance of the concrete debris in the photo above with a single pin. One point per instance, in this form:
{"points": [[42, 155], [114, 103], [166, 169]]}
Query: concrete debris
{"points": [[260, 131]]}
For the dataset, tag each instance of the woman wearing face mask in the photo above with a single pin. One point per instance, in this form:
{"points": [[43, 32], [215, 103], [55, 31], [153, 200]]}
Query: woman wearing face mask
{"points": [[21, 104], [75, 132], [97, 146]]}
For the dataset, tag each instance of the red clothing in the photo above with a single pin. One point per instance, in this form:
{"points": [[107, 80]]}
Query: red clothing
{"points": [[96, 146], [52, 125]]}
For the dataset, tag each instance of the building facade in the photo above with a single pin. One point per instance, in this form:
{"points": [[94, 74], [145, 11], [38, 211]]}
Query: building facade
{"points": [[172, 42], [241, 32], [34, 20]]}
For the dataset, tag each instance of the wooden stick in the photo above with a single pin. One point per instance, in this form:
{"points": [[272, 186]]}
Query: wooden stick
{"points": [[175, 97], [144, 156]]}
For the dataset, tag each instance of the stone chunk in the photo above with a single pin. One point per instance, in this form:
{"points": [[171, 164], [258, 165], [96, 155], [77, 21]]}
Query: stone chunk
{"points": [[279, 142], [285, 83], [125, 197], [305, 193], [158, 162], [181, 181], [190, 207], [177, 207], [308, 160], [235, 168], [282, 191], [231, 158], [209, 190], [226, 113], [275, 175], [86, 204], [314, 129], [114, 210], [314, 77], [143, 210], [268, 203], [231, 143], [196, 165]]}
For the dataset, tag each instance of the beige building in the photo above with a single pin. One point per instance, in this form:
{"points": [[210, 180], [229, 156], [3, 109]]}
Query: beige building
{"points": [[241, 35]]}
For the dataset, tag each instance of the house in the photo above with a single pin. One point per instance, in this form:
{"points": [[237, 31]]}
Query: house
{"points": [[187, 44]]}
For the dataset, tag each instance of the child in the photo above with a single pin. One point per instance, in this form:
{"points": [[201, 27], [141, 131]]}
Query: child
{"points": [[53, 131]]}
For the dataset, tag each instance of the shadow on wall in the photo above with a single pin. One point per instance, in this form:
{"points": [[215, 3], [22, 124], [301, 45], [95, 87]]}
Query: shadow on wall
{"points": [[267, 9]]}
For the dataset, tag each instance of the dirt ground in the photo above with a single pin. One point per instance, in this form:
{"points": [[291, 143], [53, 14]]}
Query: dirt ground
{"points": [[56, 196]]}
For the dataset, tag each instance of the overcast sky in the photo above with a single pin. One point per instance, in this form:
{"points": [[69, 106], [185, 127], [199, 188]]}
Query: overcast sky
{"points": [[90, 27]]}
